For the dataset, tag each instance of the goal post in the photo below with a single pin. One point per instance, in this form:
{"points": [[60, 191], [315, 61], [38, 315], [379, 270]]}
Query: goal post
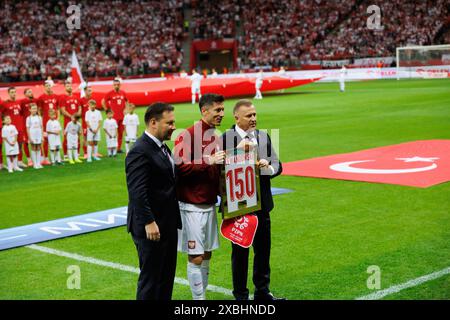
{"points": [[410, 58]]}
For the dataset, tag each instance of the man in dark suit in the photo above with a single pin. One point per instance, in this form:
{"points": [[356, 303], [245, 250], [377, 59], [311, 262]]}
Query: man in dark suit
{"points": [[153, 212], [245, 135]]}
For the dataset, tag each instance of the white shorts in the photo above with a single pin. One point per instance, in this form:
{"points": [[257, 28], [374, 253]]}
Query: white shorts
{"points": [[195, 90], [72, 141], [35, 137], [11, 150], [132, 140], [93, 136], [199, 233], [111, 142], [54, 141]]}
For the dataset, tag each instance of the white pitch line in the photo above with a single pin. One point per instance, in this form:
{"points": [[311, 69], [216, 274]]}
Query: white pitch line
{"points": [[15, 237], [409, 284], [116, 266]]}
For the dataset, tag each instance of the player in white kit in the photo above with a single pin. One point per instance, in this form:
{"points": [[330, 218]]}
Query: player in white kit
{"points": [[110, 126], [343, 74], [72, 132], [35, 135], [258, 84], [131, 123], [9, 135], [53, 129], [93, 120], [196, 78]]}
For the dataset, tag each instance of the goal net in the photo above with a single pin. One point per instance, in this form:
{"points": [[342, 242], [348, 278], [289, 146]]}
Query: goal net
{"points": [[423, 61]]}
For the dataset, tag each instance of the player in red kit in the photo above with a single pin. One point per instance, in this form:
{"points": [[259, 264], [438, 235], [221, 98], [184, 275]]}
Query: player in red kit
{"points": [[84, 109], [69, 105], [116, 100], [13, 108], [1, 139], [46, 102], [29, 99]]}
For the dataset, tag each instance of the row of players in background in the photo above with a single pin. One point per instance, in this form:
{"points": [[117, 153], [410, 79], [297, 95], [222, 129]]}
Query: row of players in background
{"points": [[196, 81], [65, 105], [35, 132]]}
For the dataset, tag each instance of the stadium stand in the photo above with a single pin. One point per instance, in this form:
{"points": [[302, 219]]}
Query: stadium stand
{"points": [[143, 37], [119, 37]]}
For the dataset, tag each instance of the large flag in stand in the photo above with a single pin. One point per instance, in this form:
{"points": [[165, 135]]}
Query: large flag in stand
{"points": [[75, 73]]}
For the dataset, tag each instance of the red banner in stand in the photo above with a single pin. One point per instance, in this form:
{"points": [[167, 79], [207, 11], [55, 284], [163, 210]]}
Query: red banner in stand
{"points": [[240, 230]]}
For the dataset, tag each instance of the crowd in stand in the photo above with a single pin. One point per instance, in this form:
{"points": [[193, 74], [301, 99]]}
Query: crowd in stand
{"points": [[278, 32], [215, 19], [145, 36], [402, 23], [117, 37]]}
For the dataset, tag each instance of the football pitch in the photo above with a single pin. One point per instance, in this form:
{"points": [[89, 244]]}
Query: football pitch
{"points": [[325, 234]]}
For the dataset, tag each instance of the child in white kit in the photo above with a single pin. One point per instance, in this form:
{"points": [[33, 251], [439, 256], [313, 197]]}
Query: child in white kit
{"points": [[131, 123], [53, 129], [9, 134], [110, 126], [35, 135], [93, 120], [72, 131]]}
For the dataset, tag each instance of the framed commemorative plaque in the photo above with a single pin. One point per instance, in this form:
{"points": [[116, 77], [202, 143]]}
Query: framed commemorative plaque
{"points": [[240, 188]]}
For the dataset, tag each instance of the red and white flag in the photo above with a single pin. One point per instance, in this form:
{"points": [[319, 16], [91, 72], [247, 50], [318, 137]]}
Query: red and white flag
{"points": [[417, 164], [240, 230], [75, 73]]}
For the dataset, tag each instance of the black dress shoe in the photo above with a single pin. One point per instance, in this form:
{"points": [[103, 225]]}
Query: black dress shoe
{"points": [[120, 151], [267, 297]]}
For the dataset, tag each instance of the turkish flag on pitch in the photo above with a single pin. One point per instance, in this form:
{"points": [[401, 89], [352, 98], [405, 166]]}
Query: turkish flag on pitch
{"points": [[418, 164]]}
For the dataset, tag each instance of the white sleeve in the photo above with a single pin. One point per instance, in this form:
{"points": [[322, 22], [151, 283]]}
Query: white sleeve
{"points": [[47, 126], [27, 124], [137, 120]]}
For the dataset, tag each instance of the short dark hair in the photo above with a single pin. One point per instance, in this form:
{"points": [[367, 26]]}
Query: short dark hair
{"points": [[156, 110], [109, 111], [208, 100], [240, 103], [11, 88]]}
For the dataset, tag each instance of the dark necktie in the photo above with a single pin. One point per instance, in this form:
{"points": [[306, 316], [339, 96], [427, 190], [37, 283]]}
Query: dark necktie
{"points": [[166, 152]]}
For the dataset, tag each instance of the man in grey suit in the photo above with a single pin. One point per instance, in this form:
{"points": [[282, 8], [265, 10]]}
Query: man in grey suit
{"points": [[245, 135], [153, 212]]}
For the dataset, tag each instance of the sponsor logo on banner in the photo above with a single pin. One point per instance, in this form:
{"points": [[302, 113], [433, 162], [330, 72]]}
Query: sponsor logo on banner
{"points": [[240, 230]]}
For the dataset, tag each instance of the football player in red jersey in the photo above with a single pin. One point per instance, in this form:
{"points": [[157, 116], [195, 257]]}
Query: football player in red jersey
{"points": [[117, 101], [84, 109], [26, 102], [13, 108], [69, 105], [46, 102], [1, 139]]}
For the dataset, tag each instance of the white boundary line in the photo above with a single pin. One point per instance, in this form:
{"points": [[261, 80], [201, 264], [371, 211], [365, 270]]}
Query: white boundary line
{"points": [[116, 266], [374, 296], [409, 284]]}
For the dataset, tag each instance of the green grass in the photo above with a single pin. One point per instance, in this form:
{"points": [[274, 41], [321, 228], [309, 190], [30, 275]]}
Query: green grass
{"points": [[324, 235]]}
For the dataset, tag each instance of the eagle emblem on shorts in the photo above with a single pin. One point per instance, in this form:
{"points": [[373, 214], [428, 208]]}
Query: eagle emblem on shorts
{"points": [[191, 244]]}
